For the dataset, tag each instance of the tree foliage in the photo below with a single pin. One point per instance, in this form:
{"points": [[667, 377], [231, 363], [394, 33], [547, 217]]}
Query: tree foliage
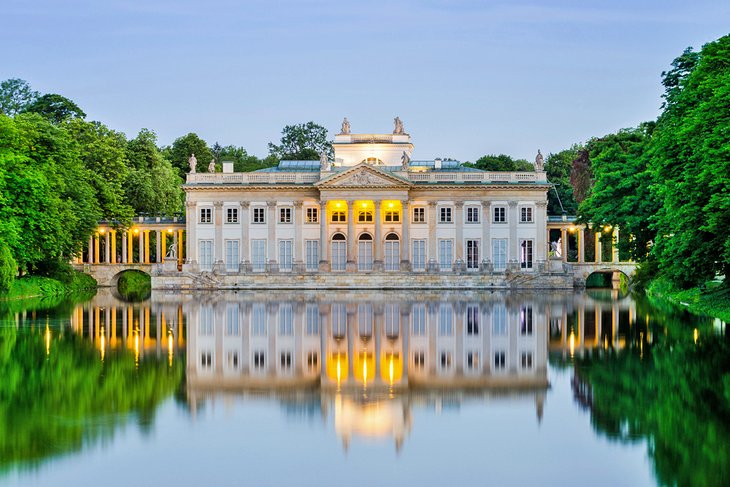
{"points": [[15, 96], [501, 162], [180, 151], [558, 168], [55, 108], [304, 141]]}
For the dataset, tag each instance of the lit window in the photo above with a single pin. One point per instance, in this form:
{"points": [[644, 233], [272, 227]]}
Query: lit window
{"points": [[338, 216], [312, 215], [206, 215], [419, 215], [365, 216], [392, 216], [259, 215], [285, 215]]}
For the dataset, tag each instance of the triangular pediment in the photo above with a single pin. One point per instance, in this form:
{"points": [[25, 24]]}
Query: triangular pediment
{"points": [[363, 175]]}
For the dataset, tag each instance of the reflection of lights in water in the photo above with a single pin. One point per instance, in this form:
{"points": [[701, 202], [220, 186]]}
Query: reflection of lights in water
{"points": [[48, 340], [339, 372], [169, 347], [696, 334], [364, 371], [102, 345], [572, 343], [641, 345], [391, 370], [136, 347]]}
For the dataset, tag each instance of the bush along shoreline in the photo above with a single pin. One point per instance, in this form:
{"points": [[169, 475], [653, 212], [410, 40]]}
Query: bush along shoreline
{"points": [[29, 287], [713, 299]]}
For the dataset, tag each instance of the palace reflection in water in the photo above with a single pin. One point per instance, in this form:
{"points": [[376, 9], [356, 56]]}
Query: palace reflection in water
{"points": [[363, 359]]}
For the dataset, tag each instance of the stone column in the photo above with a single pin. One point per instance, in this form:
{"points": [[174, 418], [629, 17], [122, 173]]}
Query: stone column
{"points": [[405, 260], [486, 226], [97, 254], [244, 231], [107, 250], [615, 244], [146, 246], [158, 246], [378, 250], [323, 259], [599, 250], [130, 249], [432, 252], [179, 243], [141, 246], [514, 251], [298, 242], [114, 246], [191, 219], [90, 251], [564, 242], [541, 249], [124, 247], [581, 245], [218, 221], [459, 222], [351, 236], [162, 238], [271, 227]]}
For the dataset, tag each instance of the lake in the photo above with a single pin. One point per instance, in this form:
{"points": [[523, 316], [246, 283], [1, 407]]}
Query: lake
{"points": [[363, 388]]}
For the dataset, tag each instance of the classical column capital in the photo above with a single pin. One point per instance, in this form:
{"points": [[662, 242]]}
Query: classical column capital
{"points": [[458, 204], [432, 204], [271, 204], [322, 202], [244, 204], [191, 204], [486, 203], [512, 204], [541, 204], [218, 204], [298, 204]]}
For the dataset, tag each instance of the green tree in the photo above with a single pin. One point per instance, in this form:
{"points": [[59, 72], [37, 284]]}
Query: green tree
{"points": [[690, 157], [304, 141], [55, 108], [501, 162], [152, 186], [180, 151], [15, 96], [558, 167], [8, 267]]}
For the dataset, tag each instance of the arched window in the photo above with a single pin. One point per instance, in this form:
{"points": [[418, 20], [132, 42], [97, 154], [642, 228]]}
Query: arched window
{"points": [[374, 161], [392, 252], [339, 252], [365, 252]]}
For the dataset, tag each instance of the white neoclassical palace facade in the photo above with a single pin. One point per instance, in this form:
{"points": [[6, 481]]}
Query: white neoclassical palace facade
{"points": [[372, 209]]}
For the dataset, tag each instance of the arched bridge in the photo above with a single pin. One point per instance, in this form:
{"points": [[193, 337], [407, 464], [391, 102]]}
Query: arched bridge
{"points": [[583, 270], [108, 274]]}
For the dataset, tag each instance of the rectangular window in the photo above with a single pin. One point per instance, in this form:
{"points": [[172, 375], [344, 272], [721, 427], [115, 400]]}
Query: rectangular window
{"points": [[472, 214], [472, 254], [231, 215], [445, 214], [418, 319], [419, 255], [285, 255], [232, 359], [207, 321], [472, 360], [206, 215], [285, 215], [419, 214], [365, 320], [526, 320], [419, 360], [499, 214], [258, 320], [312, 361], [392, 320], [500, 360], [472, 319], [285, 361], [259, 360], [526, 254], [526, 360], [365, 216], [312, 215], [259, 215], [499, 253], [445, 360], [392, 216], [206, 255], [446, 254], [232, 255], [526, 214], [312, 319], [232, 325], [446, 320], [258, 254], [206, 360], [339, 320], [499, 320], [338, 216], [286, 320], [311, 248]]}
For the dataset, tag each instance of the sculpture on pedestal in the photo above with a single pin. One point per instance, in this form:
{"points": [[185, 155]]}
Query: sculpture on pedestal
{"points": [[539, 162], [345, 127], [398, 130], [193, 162], [211, 166], [324, 162], [404, 160]]}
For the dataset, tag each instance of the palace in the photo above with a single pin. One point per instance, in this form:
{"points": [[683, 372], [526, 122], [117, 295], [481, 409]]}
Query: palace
{"points": [[370, 210]]}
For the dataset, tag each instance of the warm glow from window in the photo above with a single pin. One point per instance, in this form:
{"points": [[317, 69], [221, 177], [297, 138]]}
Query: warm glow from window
{"points": [[169, 230], [48, 340], [101, 231], [136, 231], [572, 343], [393, 370], [102, 344]]}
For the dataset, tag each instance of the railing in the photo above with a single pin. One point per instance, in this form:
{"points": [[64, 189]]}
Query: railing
{"points": [[475, 177], [253, 178]]}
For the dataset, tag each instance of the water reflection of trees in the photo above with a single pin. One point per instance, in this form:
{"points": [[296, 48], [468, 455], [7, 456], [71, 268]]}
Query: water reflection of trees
{"points": [[57, 395], [673, 392]]}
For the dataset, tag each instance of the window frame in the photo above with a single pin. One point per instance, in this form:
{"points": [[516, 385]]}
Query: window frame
{"points": [[418, 215], [311, 215], [258, 215], [232, 215], [445, 211], [286, 215], [205, 215], [499, 214], [472, 214]]}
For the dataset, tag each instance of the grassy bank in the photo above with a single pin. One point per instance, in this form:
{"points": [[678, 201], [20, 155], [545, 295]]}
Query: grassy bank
{"points": [[36, 286], [714, 300], [134, 286]]}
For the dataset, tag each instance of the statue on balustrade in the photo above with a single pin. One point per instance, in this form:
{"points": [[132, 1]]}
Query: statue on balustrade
{"points": [[211, 166], [324, 162], [398, 130], [539, 162], [345, 127], [193, 162]]}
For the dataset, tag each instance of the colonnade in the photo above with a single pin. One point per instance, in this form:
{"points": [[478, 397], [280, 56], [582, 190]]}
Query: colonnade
{"points": [[579, 231], [116, 246]]}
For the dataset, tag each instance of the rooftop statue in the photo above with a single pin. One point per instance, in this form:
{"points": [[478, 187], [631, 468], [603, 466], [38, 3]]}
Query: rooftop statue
{"points": [[211, 166], [345, 127], [398, 130], [193, 162], [324, 162], [539, 161], [405, 159]]}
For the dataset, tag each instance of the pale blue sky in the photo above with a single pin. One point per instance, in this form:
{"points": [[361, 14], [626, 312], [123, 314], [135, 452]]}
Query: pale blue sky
{"points": [[467, 77]]}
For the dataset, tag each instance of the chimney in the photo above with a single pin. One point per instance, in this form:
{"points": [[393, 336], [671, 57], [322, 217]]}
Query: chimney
{"points": [[437, 163]]}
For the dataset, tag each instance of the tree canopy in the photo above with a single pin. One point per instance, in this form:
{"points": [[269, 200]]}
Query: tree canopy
{"points": [[501, 162], [55, 108], [304, 141], [15, 96], [180, 151]]}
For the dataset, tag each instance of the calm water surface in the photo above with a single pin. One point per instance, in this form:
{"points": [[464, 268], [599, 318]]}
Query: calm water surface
{"points": [[364, 389]]}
